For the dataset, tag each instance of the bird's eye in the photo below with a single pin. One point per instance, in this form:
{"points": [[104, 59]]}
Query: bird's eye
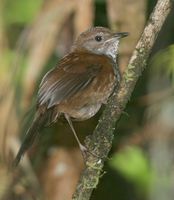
{"points": [[98, 38]]}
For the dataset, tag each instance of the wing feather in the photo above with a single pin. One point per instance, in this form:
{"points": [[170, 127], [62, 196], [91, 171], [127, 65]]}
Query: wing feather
{"points": [[60, 84]]}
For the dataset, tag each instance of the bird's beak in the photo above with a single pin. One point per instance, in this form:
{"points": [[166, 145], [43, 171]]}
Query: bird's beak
{"points": [[121, 34]]}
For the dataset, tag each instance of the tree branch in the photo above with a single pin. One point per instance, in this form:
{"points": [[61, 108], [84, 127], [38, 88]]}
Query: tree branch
{"points": [[100, 142]]}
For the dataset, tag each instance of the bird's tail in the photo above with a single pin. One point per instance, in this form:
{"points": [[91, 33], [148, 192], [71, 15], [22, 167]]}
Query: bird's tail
{"points": [[30, 136]]}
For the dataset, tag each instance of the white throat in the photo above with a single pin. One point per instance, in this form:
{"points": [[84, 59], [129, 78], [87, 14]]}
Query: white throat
{"points": [[112, 50]]}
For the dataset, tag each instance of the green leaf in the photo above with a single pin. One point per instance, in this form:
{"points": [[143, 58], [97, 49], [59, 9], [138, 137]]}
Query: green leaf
{"points": [[163, 62], [133, 165]]}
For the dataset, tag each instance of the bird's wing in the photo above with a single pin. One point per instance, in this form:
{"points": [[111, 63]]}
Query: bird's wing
{"points": [[70, 77]]}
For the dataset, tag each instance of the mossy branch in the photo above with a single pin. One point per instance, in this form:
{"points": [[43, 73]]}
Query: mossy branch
{"points": [[100, 142]]}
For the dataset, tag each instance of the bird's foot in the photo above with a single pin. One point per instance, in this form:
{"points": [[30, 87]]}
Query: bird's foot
{"points": [[85, 151]]}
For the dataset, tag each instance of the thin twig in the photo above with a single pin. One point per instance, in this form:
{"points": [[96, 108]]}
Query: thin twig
{"points": [[100, 142]]}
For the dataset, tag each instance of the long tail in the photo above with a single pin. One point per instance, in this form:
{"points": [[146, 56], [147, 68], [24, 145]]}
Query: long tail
{"points": [[30, 136]]}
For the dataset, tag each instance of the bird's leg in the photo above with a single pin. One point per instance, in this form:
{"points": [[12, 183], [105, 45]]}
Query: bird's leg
{"points": [[83, 149], [81, 146]]}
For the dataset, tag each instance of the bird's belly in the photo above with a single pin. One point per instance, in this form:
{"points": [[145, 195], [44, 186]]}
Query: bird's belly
{"points": [[84, 112], [86, 104]]}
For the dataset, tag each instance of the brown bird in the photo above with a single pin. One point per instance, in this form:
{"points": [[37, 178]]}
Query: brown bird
{"points": [[79, 85]]}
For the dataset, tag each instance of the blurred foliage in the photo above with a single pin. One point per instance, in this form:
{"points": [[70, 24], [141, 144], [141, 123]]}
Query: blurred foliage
{"points": [[5, 60], [133, 164], [163, 62], [21, 12]]}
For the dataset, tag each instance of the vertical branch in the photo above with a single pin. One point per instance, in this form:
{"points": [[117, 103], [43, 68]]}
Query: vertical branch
{"points": [[84, 15], [133, 21]]}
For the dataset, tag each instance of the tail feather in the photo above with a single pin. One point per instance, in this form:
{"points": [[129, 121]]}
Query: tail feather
{"points": [[29, 138]]}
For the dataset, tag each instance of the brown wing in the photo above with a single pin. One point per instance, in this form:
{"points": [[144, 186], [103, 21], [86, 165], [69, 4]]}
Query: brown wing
{"points": [[72, 75]]}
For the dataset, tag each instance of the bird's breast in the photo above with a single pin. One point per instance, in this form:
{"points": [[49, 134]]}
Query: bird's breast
{"points": [[86, 103], [103, 86]]}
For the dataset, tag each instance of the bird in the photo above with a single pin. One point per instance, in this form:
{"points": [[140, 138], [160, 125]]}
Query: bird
{"points": [[78, 86]]}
